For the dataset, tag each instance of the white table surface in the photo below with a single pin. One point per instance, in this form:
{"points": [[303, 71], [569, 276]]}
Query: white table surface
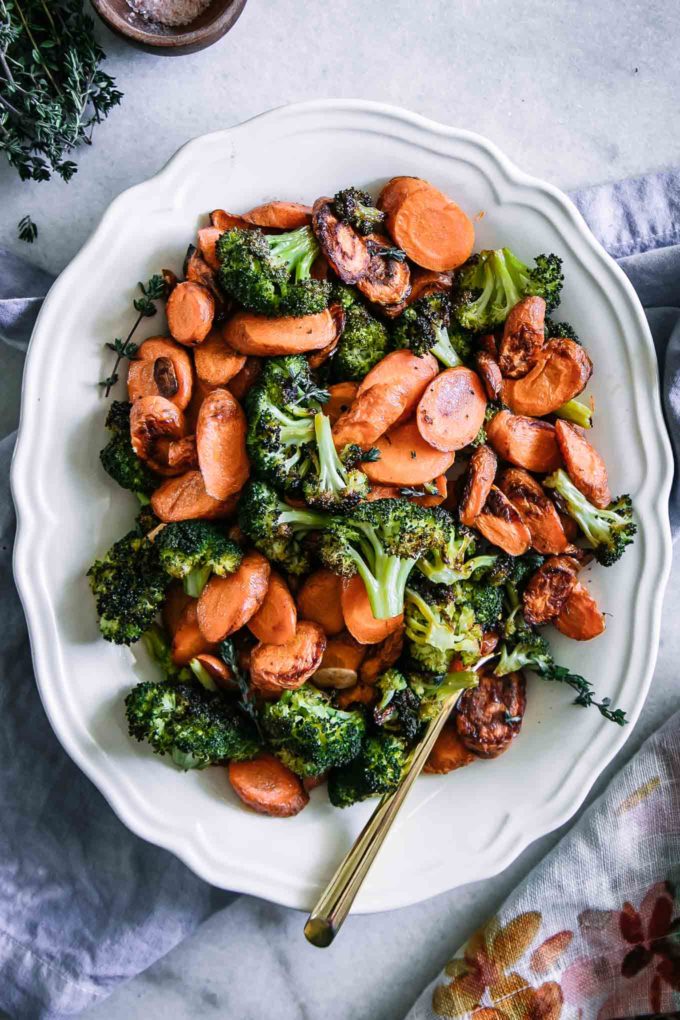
{"points": [[576, 92]]}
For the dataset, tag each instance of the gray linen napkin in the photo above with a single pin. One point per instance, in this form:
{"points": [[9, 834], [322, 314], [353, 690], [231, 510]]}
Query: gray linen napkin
{"points": [[84, 904]]}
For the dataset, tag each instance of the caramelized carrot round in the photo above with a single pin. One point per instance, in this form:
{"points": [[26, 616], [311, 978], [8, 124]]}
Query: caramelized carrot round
{"points": [[548, 589], [387, 280], [406, 458], [358, 615], [501, 524], [423, 283], [523, 337], [287, 667], [153, 419], [319, 600], [370, 416], [560, 373], [266, 785], [190, 310], [221, 444], [405, 373], [188, 641], [215, 361], [537, 510], [161, 368], [244, 380], [341, 398], [479, 477], [207, 245], [434, 232], [449, 753], [279, 215], [275, 621], [260, 335], [584, 465], [224, 220], [580, 617], [227, 603], [343, 248], [526, 442], [185, 499], [451, 410]]}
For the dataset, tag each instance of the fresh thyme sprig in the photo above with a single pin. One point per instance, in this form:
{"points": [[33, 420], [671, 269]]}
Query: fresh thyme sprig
{"points": [[52, 91], [228, 654], [27, 230], [585, 693], [153, 290]]}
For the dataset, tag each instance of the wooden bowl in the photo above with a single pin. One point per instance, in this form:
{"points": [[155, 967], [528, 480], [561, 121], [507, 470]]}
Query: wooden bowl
{"points": [[203, 31]]}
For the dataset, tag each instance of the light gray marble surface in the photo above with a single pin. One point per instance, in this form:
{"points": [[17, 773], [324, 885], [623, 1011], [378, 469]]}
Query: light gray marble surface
{"points": [[575, 92]]}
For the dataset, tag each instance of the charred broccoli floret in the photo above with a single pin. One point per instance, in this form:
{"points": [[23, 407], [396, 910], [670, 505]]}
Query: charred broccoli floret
{"points": [[493, 282], [332, 485], [270, 274], [425, 328], [276, 529], [356, 208], [193, 550], [433, 691], [438, 628], [447, 562], [129, 587], [380, 541], [364, 342], [399, 707], [308, 733], [343, 295], [377, 769], [608, 531], [486, 600], [119, 459], [146, 520], [195, 727], [562, 330]]}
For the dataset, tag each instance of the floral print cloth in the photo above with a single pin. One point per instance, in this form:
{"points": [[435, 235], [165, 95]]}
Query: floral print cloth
{"points": [[594, 932]]}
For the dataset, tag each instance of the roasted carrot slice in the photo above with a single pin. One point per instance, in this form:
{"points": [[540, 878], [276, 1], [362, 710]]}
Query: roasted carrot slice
{"points": [[560, 373], [490, 374], [580, 617], [341, 399], [188, 641], [479, 478], [449, 753], [266, 785], [434, 232], [523, 337], [279, 215], [207, 245], [185, 499], [227, 603], [525, 442], [248, 333], [360, 694], [584, 464], [161, 368], [369, 417], [502, 525], [221, 444], [406, 458], [190, 310], [381, 657], [388, 280], [275, 621], [548, 589], [228, 221], [215, 361], [286, 667], [405, 372], [537, 509], [344, 249], [319, 600], [153, 422], [358, 615], [343, 652], [451, 410], [317, 358], [245, 379]]}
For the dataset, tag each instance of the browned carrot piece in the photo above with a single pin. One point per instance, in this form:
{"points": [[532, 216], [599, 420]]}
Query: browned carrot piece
{"points": [[490, 374], [275, 621], [405, 373], [228, 221], [449, 753], [175, 456], [359, 619], [523, 337], [215, 361], [188, 641], [197, 270], [381, 657], [489, 642], [319, 600], [502, 525], [434, 232], [153, 419], [245, 379], [341, 398], [207, 245], [176, 601], [218, 670], [580, 617], [387, 280], [548, 589], [280, 215], [451, 410], [423, 283], [360, 694], [479, 478], [227, 603], [561, 371], [584, 465], [369, 417], [318, 358], [221, 444], [537, 510], [190, 310], [382, 492], [525, 442], [406, 458], [161, 368], [286, 667], [343, 652], [248, 333], [185, 499], [343, 248], [266, 785]]}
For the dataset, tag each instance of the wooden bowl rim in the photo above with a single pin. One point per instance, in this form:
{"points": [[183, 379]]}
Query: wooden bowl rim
{"points": [[211, 32]]}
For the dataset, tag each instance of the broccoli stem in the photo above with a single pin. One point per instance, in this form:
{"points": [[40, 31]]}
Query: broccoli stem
{"points": [[593, 522], [196, 580], [302, 520], [332, 476], [576, 411], [386, 583], [202, 675], [143, 499], [443, 349]]}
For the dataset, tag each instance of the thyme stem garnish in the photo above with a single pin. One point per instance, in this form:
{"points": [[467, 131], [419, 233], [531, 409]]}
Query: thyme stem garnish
{"points": [[153, 290]]}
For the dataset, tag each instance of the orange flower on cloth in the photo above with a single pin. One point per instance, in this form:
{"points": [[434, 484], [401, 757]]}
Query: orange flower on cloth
{"points": [[499, 976]]}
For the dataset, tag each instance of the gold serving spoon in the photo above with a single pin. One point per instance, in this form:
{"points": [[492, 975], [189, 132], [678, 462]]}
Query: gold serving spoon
{"points": [[335, 902]]}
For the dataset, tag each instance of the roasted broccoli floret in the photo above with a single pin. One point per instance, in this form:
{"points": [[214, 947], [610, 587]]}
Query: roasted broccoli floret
{"points": [[343, 295], [270, 274], [356, 208], [608, 531], [377, 769], [193, 550], [493, 282], [364, 342], [560, 330], [119, 459], [129, 587], [157, 645], [576, 411], [146, 520], [446, 563], [332, 485], [276, 529], [438, 628], [433, 691], [308, 733], [486, 601], [399, 707], [380, 541], [195, 727], [425, 328]]}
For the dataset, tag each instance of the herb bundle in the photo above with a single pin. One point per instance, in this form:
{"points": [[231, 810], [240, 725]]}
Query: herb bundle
{"points": [[52, 90]]}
